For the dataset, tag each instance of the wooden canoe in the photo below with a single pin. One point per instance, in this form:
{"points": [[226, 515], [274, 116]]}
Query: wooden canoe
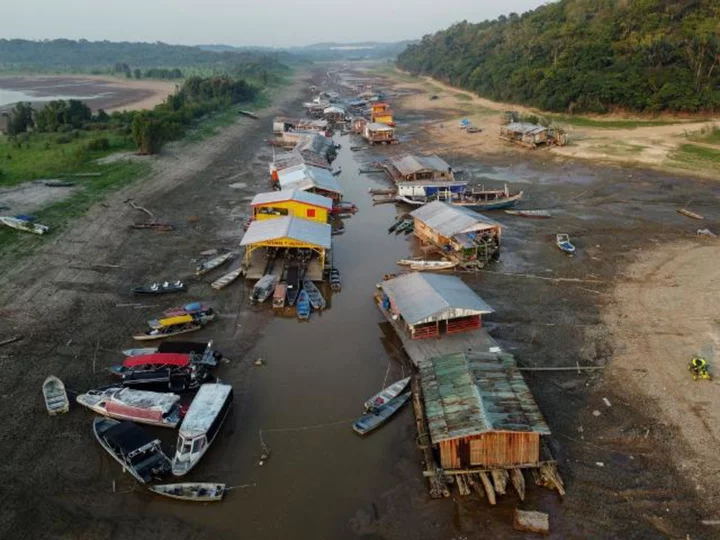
{"points": [[387, 394], [380, 415], [227, 279], [530, 213], [316, 298], [303, 305], [212, 264], [191, 491], [688, 213], [56, 399]]}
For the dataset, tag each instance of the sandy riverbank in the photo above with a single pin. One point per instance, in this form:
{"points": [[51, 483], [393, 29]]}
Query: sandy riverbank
{"points": [[654, 146], [99, 92]]}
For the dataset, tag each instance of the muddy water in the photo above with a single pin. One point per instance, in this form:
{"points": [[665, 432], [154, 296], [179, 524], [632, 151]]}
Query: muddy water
{"points": [[318, 480]]}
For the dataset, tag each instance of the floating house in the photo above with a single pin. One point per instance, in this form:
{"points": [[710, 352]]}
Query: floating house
{"points": [[410, 167], [296, 159], [422, 191], [375, 133], [283, 124], [264, 238], [429, 305], [532, 135], [480, 413], [460, 234], [297, 203], [308, 178], [312, 145], [334, 114], [381, 113]]}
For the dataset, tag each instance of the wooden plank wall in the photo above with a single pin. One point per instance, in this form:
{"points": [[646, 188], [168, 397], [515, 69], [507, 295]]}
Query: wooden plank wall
{"points": [[495, 449]]}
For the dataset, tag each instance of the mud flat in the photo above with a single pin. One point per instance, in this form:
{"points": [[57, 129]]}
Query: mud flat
{"points": [[108, 93]]}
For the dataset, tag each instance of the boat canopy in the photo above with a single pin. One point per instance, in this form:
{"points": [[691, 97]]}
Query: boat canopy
{"points": [[164, 359], [204, 409], [170, 321]]}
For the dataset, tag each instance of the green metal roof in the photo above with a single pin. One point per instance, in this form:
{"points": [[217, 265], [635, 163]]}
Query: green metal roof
{"points": [[474, 393]]}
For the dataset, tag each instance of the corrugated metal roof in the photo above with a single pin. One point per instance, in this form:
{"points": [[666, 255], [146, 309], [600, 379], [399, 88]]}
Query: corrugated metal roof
{"points": [[334, 109], [423, 297], [409, 164], [473, 393], [301, 230], [374, 126], [292, 195], [314, 142], [524, 127], [449, 220], [305, 177]]}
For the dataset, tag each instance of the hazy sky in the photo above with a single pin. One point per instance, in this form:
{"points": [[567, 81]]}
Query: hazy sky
{"points": [[244, 22]]}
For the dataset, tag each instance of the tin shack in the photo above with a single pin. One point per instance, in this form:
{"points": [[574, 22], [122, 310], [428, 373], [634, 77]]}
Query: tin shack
{"points": [[532, 135], [480, 412], [308, 178], [267, 240], [375, 133], [410, 167], [381, 113], [462, 235], [431, 305], [294, 202]]}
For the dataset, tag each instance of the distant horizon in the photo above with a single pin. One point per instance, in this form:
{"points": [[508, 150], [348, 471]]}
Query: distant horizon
{"points": [[244, 24]]}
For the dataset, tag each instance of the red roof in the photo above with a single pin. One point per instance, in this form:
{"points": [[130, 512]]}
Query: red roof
{"points": [[164, 359]]}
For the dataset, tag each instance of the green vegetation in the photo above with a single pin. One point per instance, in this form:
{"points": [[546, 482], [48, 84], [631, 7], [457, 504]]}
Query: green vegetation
{"points": [[65, 55], [709, 135], [585, 56], [695, 157], [581, 121], [463, 97]]}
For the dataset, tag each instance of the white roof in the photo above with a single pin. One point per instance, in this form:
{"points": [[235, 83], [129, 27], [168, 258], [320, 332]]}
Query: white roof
{"points": [[424, 297], [292, 195], [450, 220], [375, 126], [204, 409], [302, 230], [333, 109], [306, 177]]}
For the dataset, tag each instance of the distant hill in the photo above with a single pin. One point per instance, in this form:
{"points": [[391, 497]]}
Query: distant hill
{"points": [[83, 55], [326, 51], [585, 55]]}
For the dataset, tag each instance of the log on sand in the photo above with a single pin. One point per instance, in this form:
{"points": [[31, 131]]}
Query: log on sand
{"points": [[529, 521]]}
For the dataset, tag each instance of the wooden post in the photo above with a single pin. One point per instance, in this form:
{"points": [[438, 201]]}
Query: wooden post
{"points": [[518, 482], [488, 488], [500, 478]]}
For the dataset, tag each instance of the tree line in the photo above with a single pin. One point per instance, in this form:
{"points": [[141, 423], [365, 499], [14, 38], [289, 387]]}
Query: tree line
{"points": [[149, 129], [585, 56]]}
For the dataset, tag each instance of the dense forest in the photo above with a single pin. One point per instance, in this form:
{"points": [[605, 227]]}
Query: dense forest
{"points": [[105, 56], [585, 55]]}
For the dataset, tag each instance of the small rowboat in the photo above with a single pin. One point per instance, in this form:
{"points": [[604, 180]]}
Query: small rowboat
{"points": [[316, 298], [173, 326], [264, 287], [688, 213], [530, 213], [430, 265], [279, 295], [303, 305], [227, 279], [563, 242], [161, 288], [380, 415], [24, 223], [211, 264], [56, 400], [335, 281], [389, 393], [193, 308], [192, 492]]}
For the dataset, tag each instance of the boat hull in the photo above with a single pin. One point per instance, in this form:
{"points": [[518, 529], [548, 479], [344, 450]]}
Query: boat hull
{"points": [[56, 400], [381, 415], [191, 492]]}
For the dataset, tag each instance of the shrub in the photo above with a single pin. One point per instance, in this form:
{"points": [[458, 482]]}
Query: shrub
{"points": [[99, 144]]}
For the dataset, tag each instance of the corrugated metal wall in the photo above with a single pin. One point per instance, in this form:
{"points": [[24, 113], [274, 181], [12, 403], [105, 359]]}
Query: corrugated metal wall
{"points": [[490, 450]]}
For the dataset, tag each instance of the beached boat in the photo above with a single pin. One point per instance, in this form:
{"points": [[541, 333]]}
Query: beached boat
{"points": [[264, 287], [316, 298], [279, 295], [380, 415], [193, 492], [335, 280], [152, 361], [24, 223], [201, 352], [530, 213], [227, 279], [193, 308], [172, 326], [432, 265], [161, 288], [142, 351], [487, 199], [153, 408], [293, 284], [563, 242], [166, 379], [133, 448], [303, 305], [56, 399], [201, 425], [689, 213], [383, 397], [211, 264], [395, 225]]}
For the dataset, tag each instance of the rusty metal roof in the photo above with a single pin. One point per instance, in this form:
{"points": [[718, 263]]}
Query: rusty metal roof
{"points": [[450, 220], [422, 297], [474, 393], [409, 164]]}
